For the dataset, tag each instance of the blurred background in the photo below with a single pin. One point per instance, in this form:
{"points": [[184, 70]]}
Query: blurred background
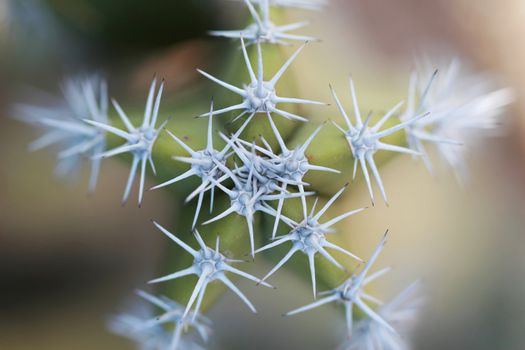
{"points": [[68, 260]]}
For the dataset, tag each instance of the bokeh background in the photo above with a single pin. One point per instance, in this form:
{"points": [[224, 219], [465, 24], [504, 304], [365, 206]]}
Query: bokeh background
{"points": [[68, 260]]}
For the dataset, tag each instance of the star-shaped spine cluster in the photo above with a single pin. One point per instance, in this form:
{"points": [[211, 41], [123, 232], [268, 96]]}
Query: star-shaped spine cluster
{"points": [[209, 265], [365, 140], [263, 29], [139, 140], [259, 96], [351, 293], [309, 237], [205, 164]]}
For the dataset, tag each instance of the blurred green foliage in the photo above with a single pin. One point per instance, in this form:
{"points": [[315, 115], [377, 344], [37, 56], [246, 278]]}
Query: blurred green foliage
{"points": [[137, 24]]}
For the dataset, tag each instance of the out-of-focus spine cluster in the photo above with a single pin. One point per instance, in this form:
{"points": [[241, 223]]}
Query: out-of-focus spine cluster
{"points": [[63, 125], [464, 107]]}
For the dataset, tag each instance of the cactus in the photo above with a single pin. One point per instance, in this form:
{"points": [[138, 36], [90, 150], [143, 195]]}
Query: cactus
{"points": [[267, 159]]}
